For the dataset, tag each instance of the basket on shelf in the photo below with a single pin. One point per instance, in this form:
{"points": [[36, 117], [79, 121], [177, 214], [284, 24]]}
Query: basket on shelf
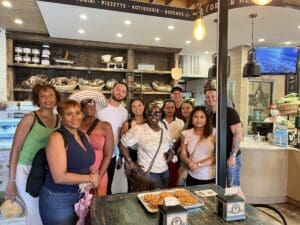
{"points": [[91, 88], [288, 108], [66, 88]]}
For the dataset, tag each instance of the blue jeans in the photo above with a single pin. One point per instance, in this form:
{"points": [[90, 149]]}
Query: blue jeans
{"points": [[233, 174], [57, 208], [159, 180]]}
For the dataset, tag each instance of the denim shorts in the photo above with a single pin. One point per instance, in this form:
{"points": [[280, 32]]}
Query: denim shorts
{"points": [[57, 208], [233, 174], [159, 180]]}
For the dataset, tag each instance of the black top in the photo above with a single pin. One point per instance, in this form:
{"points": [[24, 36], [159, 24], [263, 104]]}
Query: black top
{"points": [[232, 119]]}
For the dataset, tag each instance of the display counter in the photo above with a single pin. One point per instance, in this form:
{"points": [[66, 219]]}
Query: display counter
{"points": [[126, 209], [269, 172]]}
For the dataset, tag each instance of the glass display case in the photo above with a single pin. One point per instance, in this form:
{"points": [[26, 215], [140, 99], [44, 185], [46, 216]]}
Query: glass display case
{"points": [[7, 130]]}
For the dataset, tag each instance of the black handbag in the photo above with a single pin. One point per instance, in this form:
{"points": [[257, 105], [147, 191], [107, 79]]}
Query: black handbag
{"points": [[142, 182]]}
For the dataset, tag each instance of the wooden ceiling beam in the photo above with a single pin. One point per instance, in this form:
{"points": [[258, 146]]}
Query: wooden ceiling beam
{"points": [[167, 2], [189, 3]]}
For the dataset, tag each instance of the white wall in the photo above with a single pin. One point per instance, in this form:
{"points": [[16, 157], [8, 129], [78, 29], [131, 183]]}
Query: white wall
{"points": [[3, 70]]}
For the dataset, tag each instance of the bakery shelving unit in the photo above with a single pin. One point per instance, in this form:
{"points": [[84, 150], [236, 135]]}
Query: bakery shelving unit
{"points": [[88, 65]]}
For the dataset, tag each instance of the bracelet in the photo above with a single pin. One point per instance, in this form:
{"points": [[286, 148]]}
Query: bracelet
{"points": [[234, 154], [12, 180], [129, 159]]}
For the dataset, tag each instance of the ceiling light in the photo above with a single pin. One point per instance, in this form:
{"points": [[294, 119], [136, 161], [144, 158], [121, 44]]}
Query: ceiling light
{"points": [[171, 27], [127, 22], [157, 38], [83, 16], [299, 27], [251, 69], [261, 39], [261, 2], [199, 29], [81, 31], [288, 43], [18, 21], [188, 42], [206, 52], [119, 35], [6, 4]]}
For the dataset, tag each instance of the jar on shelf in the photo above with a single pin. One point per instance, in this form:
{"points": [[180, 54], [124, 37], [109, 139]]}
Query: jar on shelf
{"points": [[45, 60], [46, 51]]}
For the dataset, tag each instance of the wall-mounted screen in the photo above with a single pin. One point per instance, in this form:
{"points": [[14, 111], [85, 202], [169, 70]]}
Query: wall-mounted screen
{"points": [[277, 60]]}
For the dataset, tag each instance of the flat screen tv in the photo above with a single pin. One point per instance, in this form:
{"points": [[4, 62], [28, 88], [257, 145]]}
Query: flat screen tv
{"points": [[277, 60]]}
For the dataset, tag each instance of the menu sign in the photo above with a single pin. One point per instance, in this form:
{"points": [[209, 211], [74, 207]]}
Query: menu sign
{"points": [[133, 7], [211, 6]]}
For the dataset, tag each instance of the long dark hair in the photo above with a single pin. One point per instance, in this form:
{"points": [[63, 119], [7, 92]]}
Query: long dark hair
{"points": [[208, 128]]}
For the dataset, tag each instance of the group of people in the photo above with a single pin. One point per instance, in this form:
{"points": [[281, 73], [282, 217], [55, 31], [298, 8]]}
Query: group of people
{"points": [[91, 135]]}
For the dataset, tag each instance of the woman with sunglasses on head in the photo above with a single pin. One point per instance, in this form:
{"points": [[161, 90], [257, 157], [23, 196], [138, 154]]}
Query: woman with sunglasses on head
{"points": [[153, 143], [69, 157], [101, 139], [198, 148], [137, 116], [31, 135]]}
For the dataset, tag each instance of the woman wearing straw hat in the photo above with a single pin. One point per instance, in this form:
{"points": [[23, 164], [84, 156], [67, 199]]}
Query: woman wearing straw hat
{"points": [[100, 133]]}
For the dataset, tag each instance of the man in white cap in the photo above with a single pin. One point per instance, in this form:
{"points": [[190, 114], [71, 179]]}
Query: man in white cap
{"points": [[116, 115]]}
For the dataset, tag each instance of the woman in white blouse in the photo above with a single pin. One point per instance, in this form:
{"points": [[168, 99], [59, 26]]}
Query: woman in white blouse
{"points": [[198, 148], [147, 137]]}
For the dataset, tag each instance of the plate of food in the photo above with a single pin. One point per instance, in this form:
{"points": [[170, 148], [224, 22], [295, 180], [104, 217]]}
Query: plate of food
{"points": [[151, 200]]}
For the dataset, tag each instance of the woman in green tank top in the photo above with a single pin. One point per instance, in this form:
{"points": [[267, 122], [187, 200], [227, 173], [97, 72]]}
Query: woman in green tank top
{"points": [[32, 134]]}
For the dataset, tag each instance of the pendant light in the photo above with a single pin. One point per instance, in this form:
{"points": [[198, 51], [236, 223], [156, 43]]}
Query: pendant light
{"points": [[251, 69], [261, 2], [199, 31]]}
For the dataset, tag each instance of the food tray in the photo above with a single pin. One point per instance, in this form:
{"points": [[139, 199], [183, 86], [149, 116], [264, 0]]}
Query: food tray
{"points": [[158, 197]]}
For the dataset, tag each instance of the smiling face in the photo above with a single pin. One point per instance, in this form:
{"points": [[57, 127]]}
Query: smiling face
{"points": [[186, 109], [137, 108], [169, 109], [70, 113], [211, 98], [199, 119], [47, 98], [177, 96], [153, 115], [119, 92], [88, 107]]}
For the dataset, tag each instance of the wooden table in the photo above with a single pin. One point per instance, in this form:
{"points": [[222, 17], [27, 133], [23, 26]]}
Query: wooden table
{"points": [[125, 209]]}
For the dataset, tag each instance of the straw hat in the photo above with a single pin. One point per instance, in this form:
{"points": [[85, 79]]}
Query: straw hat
{"points": [[12, 209], [97, 96]]}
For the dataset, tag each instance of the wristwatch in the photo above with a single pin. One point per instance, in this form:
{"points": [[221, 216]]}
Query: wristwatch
{"points": [[234, 154]]}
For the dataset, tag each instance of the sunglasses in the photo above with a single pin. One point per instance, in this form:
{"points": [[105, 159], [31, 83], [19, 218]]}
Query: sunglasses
{"points": [[88, 102], [154, 113]]}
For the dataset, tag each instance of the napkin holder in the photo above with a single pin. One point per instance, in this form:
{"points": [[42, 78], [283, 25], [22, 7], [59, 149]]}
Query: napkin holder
{"points": [[169, 215], [230, 207]]}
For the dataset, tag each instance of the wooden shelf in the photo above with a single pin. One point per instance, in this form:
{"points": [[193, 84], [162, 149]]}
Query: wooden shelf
{"points": [[152, 93], [67, 92], [103, 91], [61, 67], [85, 68], [162, 72]]}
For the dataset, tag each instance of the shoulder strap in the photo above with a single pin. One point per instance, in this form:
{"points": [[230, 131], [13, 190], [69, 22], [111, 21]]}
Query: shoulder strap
{"points": [[92, 127], [34, 119], [160, 141], [63, 136]]}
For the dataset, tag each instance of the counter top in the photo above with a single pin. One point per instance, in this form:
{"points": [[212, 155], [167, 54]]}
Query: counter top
{"points": [[125, 209], [252, 145]]}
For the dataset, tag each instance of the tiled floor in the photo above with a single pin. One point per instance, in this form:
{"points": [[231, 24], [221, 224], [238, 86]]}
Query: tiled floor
{"points": [[290, 211]]}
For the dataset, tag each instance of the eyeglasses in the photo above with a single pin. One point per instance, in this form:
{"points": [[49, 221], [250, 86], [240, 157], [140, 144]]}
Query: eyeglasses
{"points": [[154, 113]]}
